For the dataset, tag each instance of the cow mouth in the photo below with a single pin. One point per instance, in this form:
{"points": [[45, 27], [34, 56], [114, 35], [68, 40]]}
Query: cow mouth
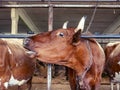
{"points": [[28, 48], [30, 51], [32, 54]]}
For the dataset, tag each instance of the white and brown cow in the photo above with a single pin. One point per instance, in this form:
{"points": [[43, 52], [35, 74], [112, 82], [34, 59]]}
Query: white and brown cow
{"points": [[64, 46], [112, 64], [16, 66]]}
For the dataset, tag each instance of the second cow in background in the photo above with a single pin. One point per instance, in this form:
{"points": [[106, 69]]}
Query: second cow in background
{"points": [[112, 64], [16, 66]]}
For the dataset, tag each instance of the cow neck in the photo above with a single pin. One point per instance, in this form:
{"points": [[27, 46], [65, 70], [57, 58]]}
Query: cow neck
{"points": [[80, 78], [11, 57]]}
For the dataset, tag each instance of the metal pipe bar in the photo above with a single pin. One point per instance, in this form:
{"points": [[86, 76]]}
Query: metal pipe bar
{"points": [[15, 35], [108, 36], [59, 6], [111, 36]]}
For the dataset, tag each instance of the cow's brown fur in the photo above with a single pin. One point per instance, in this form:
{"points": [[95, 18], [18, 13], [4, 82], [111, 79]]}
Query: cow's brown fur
{"points": [[14, 61], [112, 59], [65, 47]]}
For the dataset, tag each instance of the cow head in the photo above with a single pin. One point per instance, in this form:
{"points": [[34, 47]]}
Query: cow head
{"points": [[55, 46]]}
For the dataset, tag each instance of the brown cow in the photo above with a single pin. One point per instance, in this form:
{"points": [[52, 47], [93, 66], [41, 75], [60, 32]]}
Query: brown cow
{"points": [[64, 46], [112, 64], [16, 66]]}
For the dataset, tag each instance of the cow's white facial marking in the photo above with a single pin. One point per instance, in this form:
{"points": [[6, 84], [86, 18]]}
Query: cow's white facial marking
{"points": [[117, 77]]}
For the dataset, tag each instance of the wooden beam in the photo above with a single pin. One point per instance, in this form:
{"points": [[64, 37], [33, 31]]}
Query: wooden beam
{"points": [[25, 17], [14, 21], [117, 30], [114, 27], [28, 21]]}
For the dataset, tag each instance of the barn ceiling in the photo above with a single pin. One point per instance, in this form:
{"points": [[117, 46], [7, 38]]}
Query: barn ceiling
{"points": [[35, 18]]}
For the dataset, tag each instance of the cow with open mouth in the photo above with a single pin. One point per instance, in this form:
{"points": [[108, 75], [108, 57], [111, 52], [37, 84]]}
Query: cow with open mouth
{"points": [[85, 57]]}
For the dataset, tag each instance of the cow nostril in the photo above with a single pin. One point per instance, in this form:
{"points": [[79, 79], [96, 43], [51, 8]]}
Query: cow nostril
{"points": [[26, 41]]}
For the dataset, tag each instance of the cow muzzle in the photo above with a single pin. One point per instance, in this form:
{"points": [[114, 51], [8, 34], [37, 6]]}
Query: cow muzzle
{"points": [[26, 42]]}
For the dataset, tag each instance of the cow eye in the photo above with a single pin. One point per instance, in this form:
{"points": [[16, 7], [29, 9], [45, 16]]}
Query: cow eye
{"points": [[61, 34]]}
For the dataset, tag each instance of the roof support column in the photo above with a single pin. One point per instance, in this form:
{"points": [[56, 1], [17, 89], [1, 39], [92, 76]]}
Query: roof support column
{"points": [[14, 21]]}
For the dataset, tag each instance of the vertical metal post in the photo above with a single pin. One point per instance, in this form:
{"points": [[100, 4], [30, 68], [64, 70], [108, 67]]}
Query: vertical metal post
{"points": [[50, 27], [49, 77]]}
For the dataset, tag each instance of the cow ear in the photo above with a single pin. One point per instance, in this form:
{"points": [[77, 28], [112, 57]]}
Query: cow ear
{"points": [[65, 25], [76, 37], [78, 30], [81, 24]]}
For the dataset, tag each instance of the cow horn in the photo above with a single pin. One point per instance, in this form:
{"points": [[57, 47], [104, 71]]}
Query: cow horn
{"points": [[81, 24], [65, 25]]}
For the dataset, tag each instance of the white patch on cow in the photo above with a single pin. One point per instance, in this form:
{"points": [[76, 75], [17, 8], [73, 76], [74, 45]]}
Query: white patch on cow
{"points": [[9, 50], [6, 85], [0, 81], [117, 77], [14, 81], [119, 62]]}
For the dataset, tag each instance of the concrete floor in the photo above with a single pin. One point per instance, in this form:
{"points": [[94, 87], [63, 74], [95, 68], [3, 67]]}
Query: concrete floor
{"points": [[57, 84]]}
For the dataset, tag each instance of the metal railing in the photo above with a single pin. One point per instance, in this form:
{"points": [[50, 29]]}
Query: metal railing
{"points": [[100, 36]]}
